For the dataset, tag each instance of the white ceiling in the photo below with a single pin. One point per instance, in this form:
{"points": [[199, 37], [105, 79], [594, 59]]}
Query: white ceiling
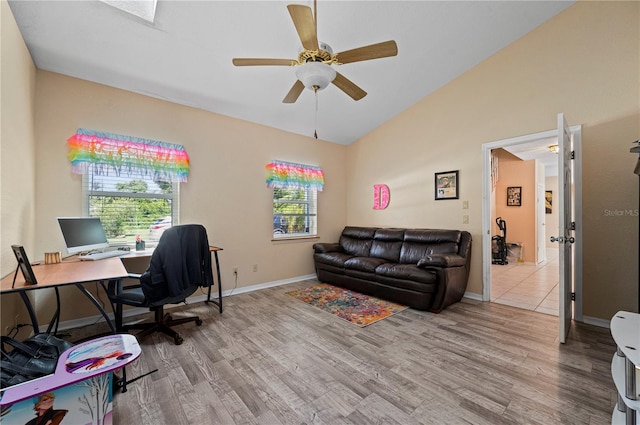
{"points": [[184, 56], [538, 149]]}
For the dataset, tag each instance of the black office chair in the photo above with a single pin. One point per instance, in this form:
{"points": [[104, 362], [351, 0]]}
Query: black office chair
{"points": [[179, 265]]}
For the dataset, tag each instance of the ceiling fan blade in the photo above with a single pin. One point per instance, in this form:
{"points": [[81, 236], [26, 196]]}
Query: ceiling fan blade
{"points": [[294, 93], [373, 51], [303, 20], [260, 62], [348, 87]]}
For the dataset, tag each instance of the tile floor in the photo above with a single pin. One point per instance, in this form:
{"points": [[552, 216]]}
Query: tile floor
{"points": [[527, 286]]}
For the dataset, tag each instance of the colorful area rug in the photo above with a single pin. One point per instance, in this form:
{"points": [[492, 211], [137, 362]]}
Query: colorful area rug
{"points": [[359, 309]]}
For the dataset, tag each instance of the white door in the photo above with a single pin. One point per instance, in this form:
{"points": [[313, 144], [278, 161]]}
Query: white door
{"points": [[541, 239], [565, 239]]}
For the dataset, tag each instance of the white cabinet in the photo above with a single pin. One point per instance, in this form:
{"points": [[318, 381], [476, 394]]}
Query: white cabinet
{"points": [[625, 367]]}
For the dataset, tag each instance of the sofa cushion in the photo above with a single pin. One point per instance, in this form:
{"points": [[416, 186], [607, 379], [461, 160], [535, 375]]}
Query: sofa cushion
{"points": [[363, 264], [386, 244], [336, 259], [409, 272], [357, 240], [442, 260], [419, 243]]}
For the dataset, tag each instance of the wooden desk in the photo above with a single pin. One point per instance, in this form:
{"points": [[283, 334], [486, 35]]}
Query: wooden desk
{"points": [[215, 250], [71, 271]]}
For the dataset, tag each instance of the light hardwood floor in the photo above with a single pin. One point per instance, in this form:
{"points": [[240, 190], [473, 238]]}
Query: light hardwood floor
{"points": [[271, 359]]}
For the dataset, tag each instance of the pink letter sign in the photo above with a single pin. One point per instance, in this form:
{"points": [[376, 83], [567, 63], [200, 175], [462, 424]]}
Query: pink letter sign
{"points": [[380, 196]]}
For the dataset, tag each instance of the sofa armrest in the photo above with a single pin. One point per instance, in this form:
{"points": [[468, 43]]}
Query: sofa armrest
{"points": [[441, 260], [320, 248]]}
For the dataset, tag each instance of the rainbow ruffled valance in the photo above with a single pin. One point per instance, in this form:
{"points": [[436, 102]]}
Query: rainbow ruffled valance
{"points": [[119, 154], [288, 175]]}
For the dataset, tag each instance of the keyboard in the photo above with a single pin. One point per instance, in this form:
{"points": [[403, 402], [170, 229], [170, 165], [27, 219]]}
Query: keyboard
{"points": [[102, 255]]}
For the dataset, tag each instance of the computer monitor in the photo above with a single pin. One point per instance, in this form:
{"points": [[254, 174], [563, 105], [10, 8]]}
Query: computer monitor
{"points": [[82, 234]]}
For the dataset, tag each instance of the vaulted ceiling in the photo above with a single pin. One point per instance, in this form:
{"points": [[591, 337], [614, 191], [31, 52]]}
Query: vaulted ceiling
{"points": [[184, 55]]}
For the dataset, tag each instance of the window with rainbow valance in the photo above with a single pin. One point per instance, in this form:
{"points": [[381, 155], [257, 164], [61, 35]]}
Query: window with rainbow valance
{"points": [[127, 155], [289, 175]]}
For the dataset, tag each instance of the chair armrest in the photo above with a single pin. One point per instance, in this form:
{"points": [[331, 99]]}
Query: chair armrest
{"points": [[321, 247], [441, 260], [122, 286]]}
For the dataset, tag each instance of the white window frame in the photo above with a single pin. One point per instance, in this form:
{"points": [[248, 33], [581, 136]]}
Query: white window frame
{"points": [[311, 216]]}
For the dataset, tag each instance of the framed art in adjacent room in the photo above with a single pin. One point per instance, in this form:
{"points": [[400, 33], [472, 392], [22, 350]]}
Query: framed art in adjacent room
{"points": [[548, 201], [447, 185], [514, 196]]}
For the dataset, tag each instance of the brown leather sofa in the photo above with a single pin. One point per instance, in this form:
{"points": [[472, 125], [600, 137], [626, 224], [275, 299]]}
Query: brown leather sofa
{"points": [[425, 269]]}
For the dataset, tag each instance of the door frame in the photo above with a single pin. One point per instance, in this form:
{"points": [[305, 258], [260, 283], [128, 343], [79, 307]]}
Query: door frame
{"points": [[576, 133]]}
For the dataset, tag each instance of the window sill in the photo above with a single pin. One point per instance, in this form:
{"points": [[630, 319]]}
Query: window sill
{"points": [[295, 238]]}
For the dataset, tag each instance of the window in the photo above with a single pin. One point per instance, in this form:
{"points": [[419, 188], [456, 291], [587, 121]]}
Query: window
{"points": [[295, 198], [132, 184], [129, 206], [294, 213]]}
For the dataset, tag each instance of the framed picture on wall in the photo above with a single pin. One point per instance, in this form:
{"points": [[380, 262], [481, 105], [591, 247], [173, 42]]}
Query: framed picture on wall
{"points": [[514, 196], [548, 199], [446, 185]]}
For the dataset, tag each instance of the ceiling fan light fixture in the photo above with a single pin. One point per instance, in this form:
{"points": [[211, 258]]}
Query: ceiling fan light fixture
{"points": [[315, 75]]}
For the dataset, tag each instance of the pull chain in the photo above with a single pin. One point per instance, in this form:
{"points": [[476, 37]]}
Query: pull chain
{"points": [[315, 131]]}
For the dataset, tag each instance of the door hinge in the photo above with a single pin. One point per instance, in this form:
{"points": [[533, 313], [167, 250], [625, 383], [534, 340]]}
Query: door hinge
{"points": [[573, 225], [573, 154], [573, 296]]}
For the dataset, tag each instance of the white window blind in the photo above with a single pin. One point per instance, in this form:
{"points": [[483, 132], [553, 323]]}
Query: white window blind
{"points": [[129, 206], [295, 198]]}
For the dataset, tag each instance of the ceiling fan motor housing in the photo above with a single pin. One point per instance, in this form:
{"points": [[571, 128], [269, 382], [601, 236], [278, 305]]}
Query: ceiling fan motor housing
{"points": [[315, 75]]}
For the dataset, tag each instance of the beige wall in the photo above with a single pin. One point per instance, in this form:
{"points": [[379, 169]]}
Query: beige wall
{"points": [[584, 63], [520, 221], [226, 191], [17, 153]]}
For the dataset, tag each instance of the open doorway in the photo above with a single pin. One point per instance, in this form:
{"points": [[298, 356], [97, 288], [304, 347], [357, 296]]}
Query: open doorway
{"points": [[541, 263], [525, 268]]}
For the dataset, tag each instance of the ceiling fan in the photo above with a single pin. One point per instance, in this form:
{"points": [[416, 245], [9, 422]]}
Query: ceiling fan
{"points": [[315, 62]]}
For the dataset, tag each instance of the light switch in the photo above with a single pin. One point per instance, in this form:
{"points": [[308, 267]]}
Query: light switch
{"points": [[465, 205], [465, 219]]}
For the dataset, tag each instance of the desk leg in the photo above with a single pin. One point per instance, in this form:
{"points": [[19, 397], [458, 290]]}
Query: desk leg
{"points": [[32, 314], [95, 302], [209, 300]]}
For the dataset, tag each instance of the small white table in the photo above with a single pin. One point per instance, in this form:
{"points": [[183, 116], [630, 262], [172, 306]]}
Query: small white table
{"points": [[625, 367]]}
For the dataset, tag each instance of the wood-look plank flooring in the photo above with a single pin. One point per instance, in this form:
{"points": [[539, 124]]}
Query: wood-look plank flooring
{"points": [[271, 359]]}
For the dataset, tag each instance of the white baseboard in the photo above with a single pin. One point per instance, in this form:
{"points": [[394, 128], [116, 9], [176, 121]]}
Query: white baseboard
{"points": [[473, 296], [92, 320], [596, 321]]}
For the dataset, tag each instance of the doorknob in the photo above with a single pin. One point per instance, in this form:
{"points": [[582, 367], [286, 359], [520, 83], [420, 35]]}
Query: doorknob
{"points": [[554, 239]]}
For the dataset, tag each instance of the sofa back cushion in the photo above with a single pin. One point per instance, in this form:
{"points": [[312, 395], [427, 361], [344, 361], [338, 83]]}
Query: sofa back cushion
{"points": [[357, 241], [421, 242], [386, 244]]}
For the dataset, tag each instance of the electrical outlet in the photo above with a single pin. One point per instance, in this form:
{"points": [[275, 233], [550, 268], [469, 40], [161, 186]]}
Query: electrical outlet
{"points": [[465, 219], [255, 267]]}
